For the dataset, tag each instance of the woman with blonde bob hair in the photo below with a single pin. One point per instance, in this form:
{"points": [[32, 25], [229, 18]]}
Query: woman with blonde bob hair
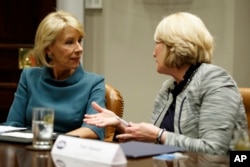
{"points": [[186, 38], [48, 31], [199, 106], [59, 80]]}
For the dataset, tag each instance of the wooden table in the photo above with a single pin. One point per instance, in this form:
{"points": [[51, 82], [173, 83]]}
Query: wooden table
{"points": [[17, 155]]}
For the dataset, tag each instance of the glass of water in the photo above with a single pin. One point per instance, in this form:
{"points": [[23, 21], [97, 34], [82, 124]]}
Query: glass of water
{"points": [[42, 127]]}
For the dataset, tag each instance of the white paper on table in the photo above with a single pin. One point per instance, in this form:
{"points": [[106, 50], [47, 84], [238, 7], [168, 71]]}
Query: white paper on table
{"points": [[4, 129], [18, 134], [88, 150]]}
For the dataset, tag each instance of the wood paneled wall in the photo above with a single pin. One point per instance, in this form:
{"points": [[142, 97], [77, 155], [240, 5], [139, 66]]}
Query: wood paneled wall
{"points": [[19, 21]]}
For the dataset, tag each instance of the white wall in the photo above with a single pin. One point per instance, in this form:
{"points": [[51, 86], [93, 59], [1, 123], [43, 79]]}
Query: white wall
{"points": [[119, 44], [242, 44], [77, 8]]}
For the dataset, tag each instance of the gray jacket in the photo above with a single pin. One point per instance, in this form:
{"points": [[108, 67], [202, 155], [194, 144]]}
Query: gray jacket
{"points": [[207, 111]]}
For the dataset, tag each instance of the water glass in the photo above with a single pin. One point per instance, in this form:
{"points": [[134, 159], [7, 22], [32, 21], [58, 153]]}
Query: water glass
{"points": [[42, 127]]}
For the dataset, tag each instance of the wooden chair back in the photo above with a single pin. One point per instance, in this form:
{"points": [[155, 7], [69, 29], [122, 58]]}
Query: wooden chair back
{"points": [[245, 93], [115, 103]]}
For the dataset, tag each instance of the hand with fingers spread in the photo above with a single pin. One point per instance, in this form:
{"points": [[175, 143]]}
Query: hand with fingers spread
{"points": [[103, 118]]}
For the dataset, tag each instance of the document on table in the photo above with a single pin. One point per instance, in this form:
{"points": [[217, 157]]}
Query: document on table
{"points": [[19, 134], [15, 134], [135, 149], [4, 129]]}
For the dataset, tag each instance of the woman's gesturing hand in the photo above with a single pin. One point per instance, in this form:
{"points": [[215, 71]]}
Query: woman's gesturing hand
{"points": [[104, 118]]}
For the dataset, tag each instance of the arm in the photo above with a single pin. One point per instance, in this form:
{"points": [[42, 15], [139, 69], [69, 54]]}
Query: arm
{"points": [[96, 86], [83, 132], [17, 112]]}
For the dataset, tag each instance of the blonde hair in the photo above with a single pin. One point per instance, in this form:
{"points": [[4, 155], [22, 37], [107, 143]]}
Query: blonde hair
{"points": [[47, 32], [187, 40]]}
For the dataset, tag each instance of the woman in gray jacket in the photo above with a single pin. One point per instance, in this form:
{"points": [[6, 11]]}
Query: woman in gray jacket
{"points": [[199, 108]]}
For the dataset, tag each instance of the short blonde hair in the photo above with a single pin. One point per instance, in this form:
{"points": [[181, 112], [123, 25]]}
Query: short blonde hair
{"points": [[187, 39], [48, 30]]}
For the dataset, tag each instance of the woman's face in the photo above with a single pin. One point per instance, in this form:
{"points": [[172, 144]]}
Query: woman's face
{"points": [[67, 50], [159, 54]]}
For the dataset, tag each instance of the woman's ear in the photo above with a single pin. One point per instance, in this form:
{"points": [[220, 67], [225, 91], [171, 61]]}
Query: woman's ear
{"points": [[48, 51]]}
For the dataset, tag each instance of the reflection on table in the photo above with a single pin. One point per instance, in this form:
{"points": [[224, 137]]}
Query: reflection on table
{"points": [[17, 155], [14, 155], [195, 160]]}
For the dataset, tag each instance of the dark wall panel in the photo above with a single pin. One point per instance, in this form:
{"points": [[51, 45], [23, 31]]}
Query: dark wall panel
{"points": [[18, 23]]}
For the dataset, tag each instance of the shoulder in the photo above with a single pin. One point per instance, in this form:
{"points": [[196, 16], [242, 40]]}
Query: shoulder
{"points": [[213, 70], [211, 67], [214, 80], [91, 76], [93, 80], [83, 76], [213, 74], [31, 71]]}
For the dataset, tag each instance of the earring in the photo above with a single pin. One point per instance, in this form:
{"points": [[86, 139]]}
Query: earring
{"points": [[50, 56]]}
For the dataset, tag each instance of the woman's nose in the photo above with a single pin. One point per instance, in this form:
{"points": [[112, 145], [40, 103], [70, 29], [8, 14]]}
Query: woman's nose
{"points": [[154, 53], [79, 47]]}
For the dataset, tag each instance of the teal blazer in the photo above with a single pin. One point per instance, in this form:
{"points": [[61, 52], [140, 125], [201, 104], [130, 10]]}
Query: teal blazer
{"points": [[71, 98]]}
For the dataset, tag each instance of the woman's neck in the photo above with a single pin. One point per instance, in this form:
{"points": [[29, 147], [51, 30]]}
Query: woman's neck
{"points": [[62, 74], [178, 73]]}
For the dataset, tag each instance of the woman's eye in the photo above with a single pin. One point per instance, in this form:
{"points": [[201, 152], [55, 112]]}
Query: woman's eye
{"points": [[69, 42]]}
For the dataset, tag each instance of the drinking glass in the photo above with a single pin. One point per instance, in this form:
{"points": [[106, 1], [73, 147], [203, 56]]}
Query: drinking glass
{"points": [[42, 127]]}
